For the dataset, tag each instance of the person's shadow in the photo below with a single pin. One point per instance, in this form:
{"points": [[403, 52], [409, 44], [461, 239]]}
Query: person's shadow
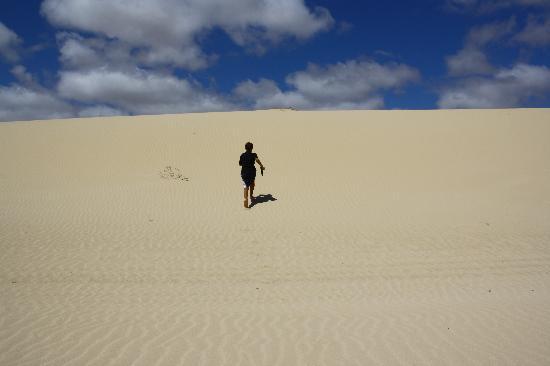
{"points": [[262, 198]]}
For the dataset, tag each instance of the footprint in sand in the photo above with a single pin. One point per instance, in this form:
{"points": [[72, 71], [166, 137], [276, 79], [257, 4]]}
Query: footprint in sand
{"points": [[173, 173]]}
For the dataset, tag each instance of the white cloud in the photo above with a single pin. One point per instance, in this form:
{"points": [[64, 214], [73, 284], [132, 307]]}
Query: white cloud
{"points": [[469, 60], [472, 60], [9, 42], [138, 91], [482, 85], [21, 74], [166, 32], [77, 52], [488, 6], [507, 88], [100, 111], [536, 32], [349, 85], [22, 103], [262, 89], [491, 32]]}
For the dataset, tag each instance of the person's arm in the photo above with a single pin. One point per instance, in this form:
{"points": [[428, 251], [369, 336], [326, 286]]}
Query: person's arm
{"points": [[259, 162]]}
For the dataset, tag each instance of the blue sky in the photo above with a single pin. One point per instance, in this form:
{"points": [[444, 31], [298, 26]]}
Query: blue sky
{"points": [[76, 58]]}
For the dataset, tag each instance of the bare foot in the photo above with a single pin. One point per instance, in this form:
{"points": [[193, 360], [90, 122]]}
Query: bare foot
{"points": [[246, 204]]}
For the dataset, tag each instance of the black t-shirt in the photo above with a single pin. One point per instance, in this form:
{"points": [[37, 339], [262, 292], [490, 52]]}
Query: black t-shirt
{"points": [[247, 160]]}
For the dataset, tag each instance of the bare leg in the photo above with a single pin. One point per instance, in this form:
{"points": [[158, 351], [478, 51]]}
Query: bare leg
{"points": [[245, 202], [252, 191]]}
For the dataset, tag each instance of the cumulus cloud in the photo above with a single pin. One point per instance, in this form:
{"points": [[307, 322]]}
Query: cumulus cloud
{"points": [[166, 32], [348, 85], [21, 74], [482, 35], [505, 89], [138, 91], [9, 43], [476, 83], [536, 32], [19, 103], [469, 60], [26, 99], [488, 6], [77, 52], [472, 59], [100, 111]]}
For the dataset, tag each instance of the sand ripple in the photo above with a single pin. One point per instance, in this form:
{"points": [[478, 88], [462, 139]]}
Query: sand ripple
{"points": [[396, 238]]}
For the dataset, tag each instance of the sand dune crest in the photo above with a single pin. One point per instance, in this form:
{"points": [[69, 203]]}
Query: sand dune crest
{"points": [[377, 237]]}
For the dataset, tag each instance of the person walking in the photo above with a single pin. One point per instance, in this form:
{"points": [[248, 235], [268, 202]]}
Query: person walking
{"points": [[248, 172]]}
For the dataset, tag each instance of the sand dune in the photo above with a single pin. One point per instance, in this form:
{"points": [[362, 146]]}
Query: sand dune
{"points": [[383, 238]]}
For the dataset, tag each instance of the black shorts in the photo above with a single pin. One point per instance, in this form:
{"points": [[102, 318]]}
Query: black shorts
{"points": [[248, 176]]}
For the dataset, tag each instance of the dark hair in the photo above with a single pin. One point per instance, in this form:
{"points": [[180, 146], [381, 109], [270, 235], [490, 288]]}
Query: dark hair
{"points": [[248, 146]]}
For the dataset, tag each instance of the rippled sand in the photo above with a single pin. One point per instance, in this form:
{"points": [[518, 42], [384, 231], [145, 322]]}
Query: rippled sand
{"points": [[381, 237]]}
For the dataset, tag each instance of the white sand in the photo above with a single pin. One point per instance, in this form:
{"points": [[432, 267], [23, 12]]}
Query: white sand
{"points": [[396, 238]]}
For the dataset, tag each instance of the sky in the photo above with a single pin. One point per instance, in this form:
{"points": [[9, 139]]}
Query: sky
{"points": [[85, 58]]}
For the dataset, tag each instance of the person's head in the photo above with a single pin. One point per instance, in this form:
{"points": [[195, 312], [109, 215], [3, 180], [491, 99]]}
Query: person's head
{"points": [[248, 146]]}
